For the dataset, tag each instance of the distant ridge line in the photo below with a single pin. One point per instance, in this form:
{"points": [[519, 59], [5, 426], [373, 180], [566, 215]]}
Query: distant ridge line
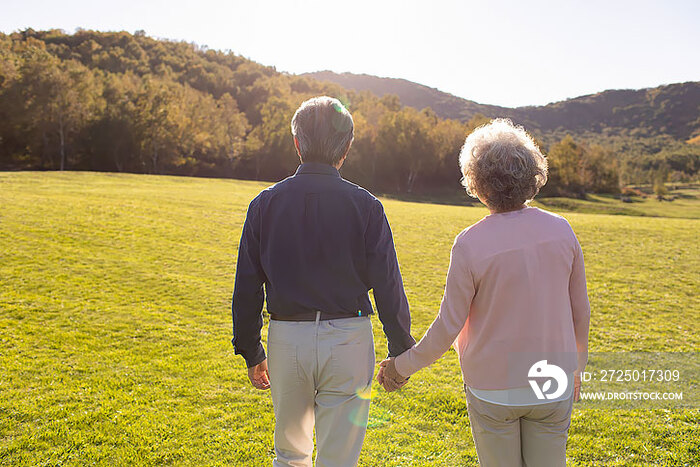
{"points": [[672, 109]]}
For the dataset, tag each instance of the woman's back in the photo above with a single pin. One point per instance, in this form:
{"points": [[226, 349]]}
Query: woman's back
{"points": [[527, 273]]}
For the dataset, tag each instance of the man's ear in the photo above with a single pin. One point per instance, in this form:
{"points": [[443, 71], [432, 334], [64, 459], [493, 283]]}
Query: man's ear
{"points": [[296, 145], [342, 159], [345, 156]]}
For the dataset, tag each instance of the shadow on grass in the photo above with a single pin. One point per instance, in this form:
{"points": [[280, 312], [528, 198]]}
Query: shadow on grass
{"points": [[682, 195], [589, 206], [592, 203], [450, 199]]}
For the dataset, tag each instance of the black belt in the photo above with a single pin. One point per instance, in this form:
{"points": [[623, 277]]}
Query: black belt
{"points": [[311, 316]]}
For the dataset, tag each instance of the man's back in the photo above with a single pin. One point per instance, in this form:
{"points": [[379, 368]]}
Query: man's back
{"points": [[317, 243], [312, 243]]}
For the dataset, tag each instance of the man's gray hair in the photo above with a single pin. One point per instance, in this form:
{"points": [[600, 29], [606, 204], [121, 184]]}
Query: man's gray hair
{"points": [[324, 129]]}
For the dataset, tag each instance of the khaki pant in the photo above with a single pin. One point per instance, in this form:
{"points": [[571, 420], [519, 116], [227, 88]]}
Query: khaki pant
{"points": [[320, 374], [528, 436]]}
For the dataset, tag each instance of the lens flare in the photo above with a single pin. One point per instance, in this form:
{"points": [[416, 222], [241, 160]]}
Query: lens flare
{"points": [[359, 415], [364, 393]]}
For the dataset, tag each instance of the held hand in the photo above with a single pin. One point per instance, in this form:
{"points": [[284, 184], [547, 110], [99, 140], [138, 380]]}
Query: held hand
{"points": [[577, 387], [258, 376], [381, 378], [388, 377]]}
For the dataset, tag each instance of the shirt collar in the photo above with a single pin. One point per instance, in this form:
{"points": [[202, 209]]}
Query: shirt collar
{"points": [[317, 168]]}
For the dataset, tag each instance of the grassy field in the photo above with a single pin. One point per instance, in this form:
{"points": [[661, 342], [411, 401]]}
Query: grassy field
{"points": [[115, 328]]}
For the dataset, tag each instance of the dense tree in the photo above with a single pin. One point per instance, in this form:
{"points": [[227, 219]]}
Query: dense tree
{"points": [[403, 140], [58, 99], [576, 168], [111, 140], [270, 147], [447, 137], [601, 173], [566, 166], [123, 102]]}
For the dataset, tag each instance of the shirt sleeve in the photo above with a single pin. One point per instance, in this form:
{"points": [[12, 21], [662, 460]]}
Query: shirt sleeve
{"points": [[248, 295], [580, 307], [454, 309], [386, 282]]}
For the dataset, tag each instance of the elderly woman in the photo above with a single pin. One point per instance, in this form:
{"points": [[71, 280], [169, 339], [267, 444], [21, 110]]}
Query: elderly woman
{"points": [[515, 308]]}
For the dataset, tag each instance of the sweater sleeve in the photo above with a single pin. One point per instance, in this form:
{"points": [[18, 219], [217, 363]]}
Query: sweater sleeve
{"points": [[454, 309], [248, 292], [580, 308], [385, 279]]}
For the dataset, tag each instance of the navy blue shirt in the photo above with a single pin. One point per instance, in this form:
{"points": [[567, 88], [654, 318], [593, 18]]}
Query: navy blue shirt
{"points": [[316, 242]]}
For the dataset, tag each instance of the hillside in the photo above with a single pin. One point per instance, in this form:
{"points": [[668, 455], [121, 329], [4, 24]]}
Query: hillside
{"points": [[673, 109], [121, 102], [411, 94]]}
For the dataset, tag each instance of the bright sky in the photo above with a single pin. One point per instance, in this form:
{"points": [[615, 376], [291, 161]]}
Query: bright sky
{"points": [[503, 52]]}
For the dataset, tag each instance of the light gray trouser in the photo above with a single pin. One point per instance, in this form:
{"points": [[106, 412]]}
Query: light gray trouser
{"points": [[512, 436], [320, 373]]}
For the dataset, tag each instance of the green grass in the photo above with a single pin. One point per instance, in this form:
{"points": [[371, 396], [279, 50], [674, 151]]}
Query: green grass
{"points": [[115, 328]]}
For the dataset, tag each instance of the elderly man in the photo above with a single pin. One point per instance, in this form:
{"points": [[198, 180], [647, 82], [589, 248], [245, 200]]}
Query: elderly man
{"points": [[317, 243]]}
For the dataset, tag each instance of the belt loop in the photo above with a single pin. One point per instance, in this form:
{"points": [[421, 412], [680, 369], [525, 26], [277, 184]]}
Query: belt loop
{"points": [[318, 317]]}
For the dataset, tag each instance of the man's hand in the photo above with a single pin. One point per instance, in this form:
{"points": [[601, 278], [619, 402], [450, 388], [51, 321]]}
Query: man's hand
{"points": [[258, 375], [388, 377], [577, 387]]}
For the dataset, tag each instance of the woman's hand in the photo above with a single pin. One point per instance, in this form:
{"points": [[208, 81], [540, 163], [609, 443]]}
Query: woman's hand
{"points": [[388, 377]]}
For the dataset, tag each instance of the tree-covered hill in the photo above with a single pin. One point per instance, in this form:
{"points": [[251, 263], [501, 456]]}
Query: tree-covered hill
{"points": [[412, 94], [115, 101], [672, 110]]}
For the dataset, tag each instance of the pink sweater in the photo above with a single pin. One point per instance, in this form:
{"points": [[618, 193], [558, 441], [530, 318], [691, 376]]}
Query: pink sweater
{"points": [[515, 293]]}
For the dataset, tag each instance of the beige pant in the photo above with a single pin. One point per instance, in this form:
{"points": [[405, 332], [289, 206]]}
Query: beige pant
{"points": [[320, 373], [511, 436]]}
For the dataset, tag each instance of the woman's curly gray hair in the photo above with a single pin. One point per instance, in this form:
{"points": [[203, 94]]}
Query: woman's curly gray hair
{"points": [[502, 165]]}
